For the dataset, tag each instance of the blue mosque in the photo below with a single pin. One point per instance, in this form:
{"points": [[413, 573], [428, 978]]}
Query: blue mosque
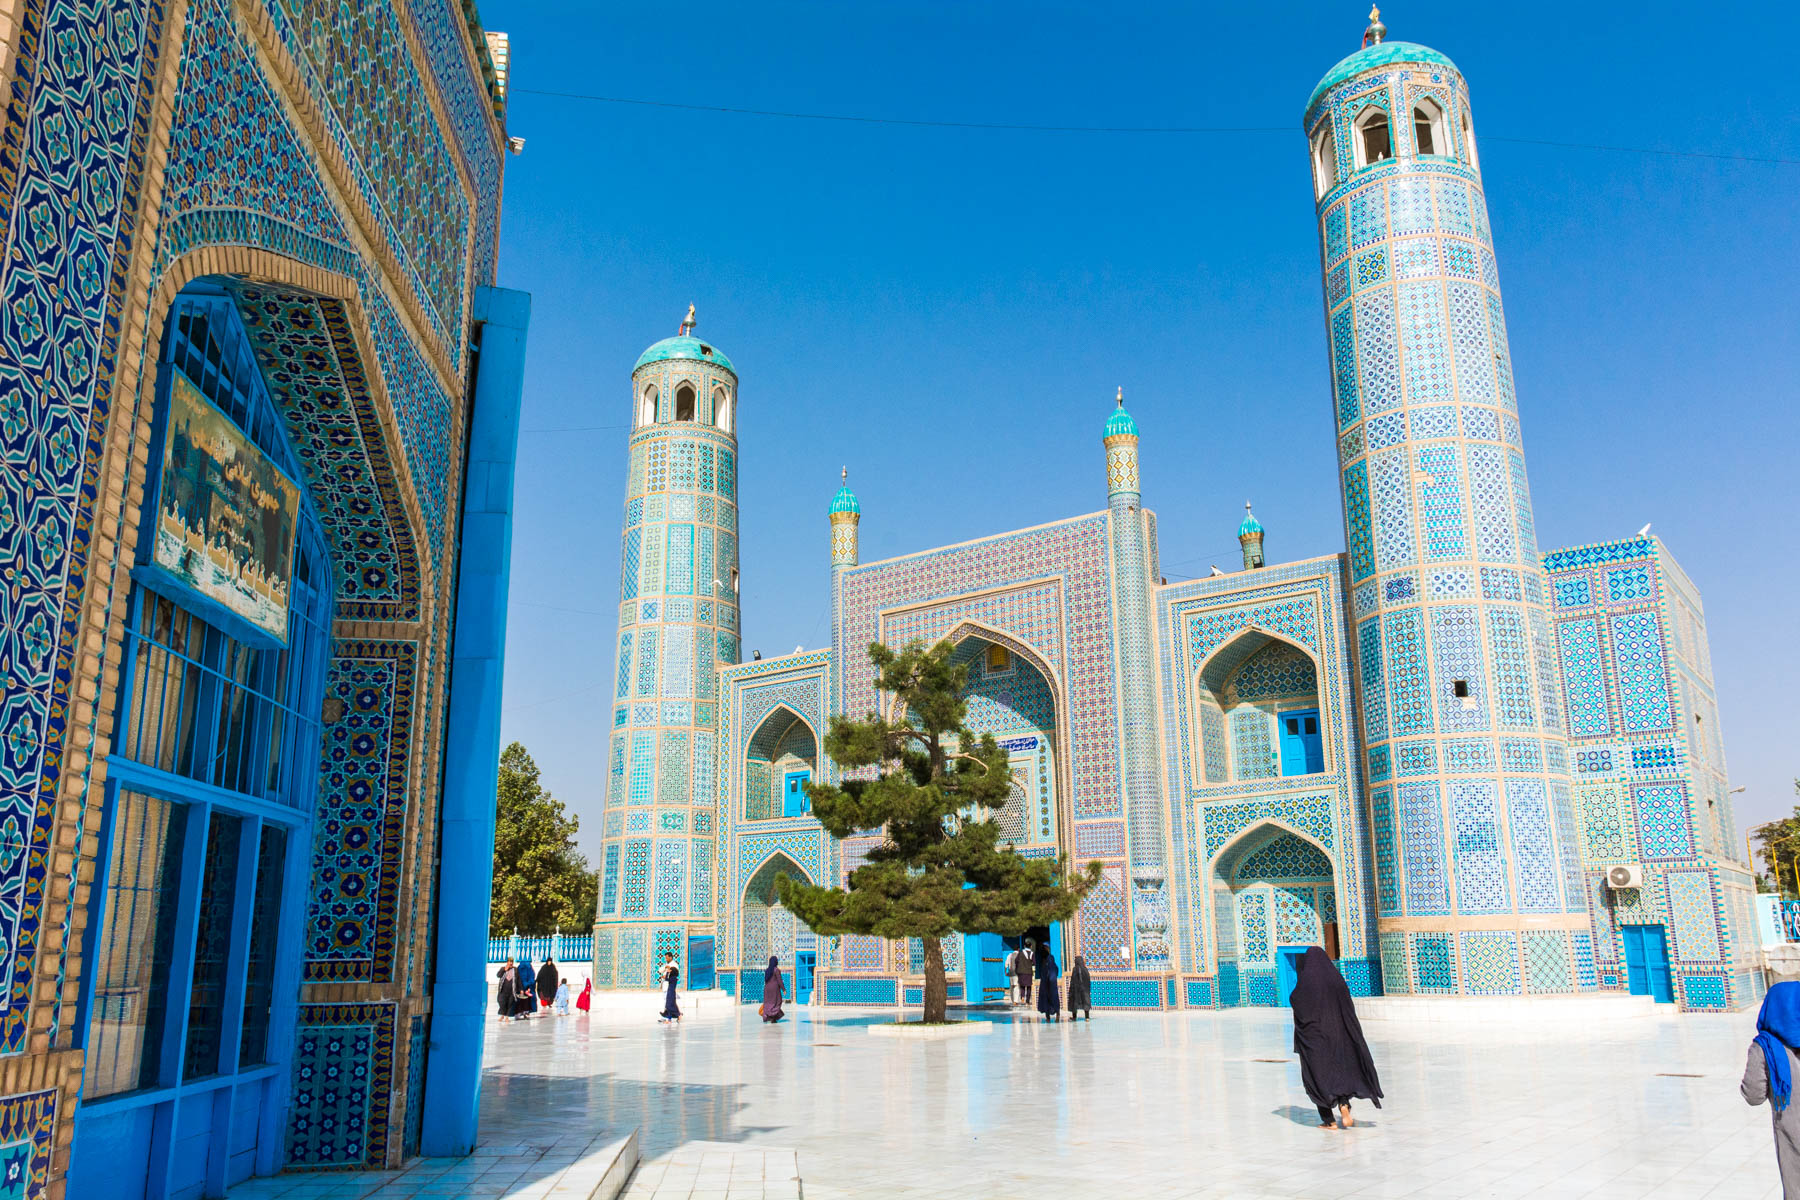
{"points": [[1465, 765]]}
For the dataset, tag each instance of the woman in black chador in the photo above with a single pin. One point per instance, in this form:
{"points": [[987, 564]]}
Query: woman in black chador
{"points": [[1049, 1001], [1081, 998], [773, 983], [1335, 1066]]}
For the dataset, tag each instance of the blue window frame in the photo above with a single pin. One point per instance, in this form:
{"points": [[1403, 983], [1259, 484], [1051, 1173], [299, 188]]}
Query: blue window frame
{"points": [[794, 800], [1302, 749], [192, 959]]}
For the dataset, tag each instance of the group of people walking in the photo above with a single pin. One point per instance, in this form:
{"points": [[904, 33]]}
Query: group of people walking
{"points": [[522, 991], [1036, 962]]}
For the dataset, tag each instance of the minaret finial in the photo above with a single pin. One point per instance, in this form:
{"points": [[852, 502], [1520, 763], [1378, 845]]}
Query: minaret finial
{"points": [[1376, 30], [1121, 397], [844, 476], [687, 325]]}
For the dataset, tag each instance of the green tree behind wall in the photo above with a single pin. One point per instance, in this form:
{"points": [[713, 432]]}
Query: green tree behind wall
{"points": [[541, 881]]}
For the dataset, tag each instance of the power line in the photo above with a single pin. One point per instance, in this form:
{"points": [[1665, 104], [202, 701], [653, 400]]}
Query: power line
{"points": [[1013, 127], [806, 116]]}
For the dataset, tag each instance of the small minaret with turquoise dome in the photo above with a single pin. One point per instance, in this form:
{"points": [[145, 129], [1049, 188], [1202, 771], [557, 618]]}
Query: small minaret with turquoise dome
{"points": [[678, 623], [1477, 874], [1132, 537], [1250, 539], [846, 515]]}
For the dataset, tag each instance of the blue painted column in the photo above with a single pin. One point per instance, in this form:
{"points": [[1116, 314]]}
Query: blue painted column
{"points": [[472, 729]]}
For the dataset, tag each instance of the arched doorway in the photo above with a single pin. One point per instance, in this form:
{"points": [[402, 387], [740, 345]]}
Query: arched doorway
{"points": [[1274, 893], [781, 757], [768, 927], [1010, 696], [1258, 701]]}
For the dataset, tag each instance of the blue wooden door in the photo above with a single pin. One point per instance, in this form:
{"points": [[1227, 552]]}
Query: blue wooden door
{"points": [[803, 976], [984, 973], [1302, 750], [1287, 972], [700, 963], [1647, 963], [794, 801]]}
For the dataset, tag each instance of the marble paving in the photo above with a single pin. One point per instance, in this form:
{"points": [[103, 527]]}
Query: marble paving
{"points": [[1165, 1105]]}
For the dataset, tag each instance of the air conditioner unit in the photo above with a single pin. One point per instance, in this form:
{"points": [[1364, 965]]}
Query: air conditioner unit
{"points": [[1628, 876]]}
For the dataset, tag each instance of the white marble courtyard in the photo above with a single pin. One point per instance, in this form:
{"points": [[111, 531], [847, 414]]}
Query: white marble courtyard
{"points": [[1170, 1106]]}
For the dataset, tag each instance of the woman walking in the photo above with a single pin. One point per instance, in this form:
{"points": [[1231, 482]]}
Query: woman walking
{"points": [[1080, 990], [1769, 1075], [1335, 1066], [671, 975], [1049, 1000], [525, 990], [547, 979], [503, 994], [586, 998], [772, 989]]}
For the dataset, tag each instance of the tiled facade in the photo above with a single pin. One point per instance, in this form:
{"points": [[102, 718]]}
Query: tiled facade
{"points": [[1649, 767], [1485, 729], [334, 178]]}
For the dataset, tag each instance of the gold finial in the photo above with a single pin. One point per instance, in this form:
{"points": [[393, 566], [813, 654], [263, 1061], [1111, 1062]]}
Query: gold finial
{"points": [[1121, 397], [687, 325], [1376, 30]]}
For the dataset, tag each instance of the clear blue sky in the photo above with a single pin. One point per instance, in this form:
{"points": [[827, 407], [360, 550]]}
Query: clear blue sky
{"points": [[949, 311]]}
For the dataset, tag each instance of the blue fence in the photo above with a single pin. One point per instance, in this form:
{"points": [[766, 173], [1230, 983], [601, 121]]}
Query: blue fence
{"points": [[563, 947]]}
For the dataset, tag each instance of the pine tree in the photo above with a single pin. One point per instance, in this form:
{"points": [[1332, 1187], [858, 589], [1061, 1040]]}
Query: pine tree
{"points": [[541, 881], [940, 868]]}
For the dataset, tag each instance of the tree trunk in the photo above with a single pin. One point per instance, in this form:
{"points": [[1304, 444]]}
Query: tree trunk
{"points": [[937, 994]]}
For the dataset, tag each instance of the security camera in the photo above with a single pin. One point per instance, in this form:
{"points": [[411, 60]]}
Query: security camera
{"points": [[516, 145]]}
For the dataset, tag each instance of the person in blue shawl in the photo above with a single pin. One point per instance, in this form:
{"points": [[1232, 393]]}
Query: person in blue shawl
{"points": [[1769, 1075]]}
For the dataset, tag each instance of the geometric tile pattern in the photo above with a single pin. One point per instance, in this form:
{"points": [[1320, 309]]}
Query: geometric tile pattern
{"points": [[342, 1085], [27, 1141], [308, 359], [1490, 962], [79, 108], [1284, 857], [1691, 913], [1547, 962], [357, 840], [383, 125], [1663, 830]]}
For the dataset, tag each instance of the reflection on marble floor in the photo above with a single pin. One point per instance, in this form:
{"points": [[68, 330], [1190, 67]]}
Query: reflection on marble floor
{"points": [[1163, 1105]]}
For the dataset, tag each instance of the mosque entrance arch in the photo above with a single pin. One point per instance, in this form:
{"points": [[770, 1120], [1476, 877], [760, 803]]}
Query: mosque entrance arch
{"points": [[770, 928], [1274, 893], [1011, 693], [780, 759], [1258, 699]]}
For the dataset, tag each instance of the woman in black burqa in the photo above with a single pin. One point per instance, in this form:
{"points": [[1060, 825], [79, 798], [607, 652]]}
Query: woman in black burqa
{"points": [[1080, 990], [1335, 1066], [1048, 1002], [547, 979]]}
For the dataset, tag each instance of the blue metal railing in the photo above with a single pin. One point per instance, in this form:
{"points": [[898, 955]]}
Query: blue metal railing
{"points": [[563, 947]]}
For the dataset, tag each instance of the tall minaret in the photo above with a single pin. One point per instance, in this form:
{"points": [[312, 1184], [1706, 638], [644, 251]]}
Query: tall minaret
{"points": [[1478, 879], [678, 621], [1128, 527]]}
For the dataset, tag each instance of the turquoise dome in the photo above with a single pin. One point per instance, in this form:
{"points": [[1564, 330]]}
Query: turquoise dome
{"points": [[685, 346], [1251, 526], [844, 502], [1379, 55], [1120, 423]]}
